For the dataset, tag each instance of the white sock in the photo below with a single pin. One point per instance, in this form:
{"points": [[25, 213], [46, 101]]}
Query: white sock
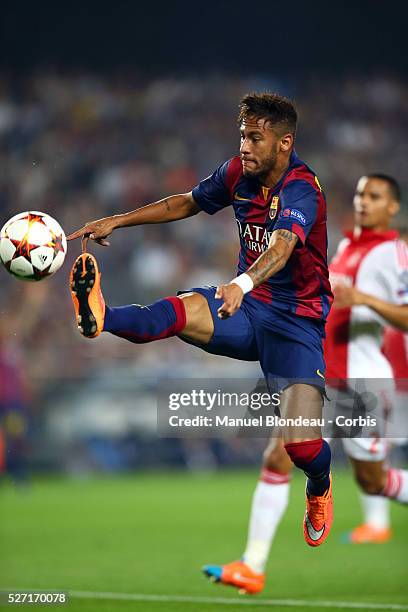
{"points": [[376, 510], [397, 485], [268, 506]]}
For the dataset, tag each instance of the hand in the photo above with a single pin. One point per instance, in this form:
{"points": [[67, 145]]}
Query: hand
{"points": [[232, 295], [346, 297], [96, 230]]}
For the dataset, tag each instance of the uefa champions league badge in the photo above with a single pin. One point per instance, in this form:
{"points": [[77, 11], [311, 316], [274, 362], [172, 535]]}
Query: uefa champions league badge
{"points": [[273, 209]]}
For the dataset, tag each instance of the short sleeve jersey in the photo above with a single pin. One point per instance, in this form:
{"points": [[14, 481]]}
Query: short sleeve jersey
{"points": [[297, 203]]}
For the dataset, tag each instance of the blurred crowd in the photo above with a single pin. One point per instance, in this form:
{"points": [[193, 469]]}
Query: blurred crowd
{"points": [[82, 146]]}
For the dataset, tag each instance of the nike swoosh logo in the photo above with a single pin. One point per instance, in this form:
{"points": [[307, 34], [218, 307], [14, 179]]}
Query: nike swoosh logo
{"points": [[238, 576], [318, 372], [313, 534], [237, 197]]}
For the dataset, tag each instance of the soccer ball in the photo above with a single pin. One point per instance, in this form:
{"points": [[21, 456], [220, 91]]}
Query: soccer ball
{"points": [[32, 246]]}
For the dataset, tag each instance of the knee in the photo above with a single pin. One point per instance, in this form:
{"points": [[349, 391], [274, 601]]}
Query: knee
{"points": [[194, 303], [276, 459], [199, 327], [307, 453]]}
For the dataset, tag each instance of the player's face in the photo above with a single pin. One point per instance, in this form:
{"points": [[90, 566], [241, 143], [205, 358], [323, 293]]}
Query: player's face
{"points": [[374, 205], [259, 147]]}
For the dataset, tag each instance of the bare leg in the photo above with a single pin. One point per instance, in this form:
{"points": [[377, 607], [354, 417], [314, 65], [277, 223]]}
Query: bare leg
{"points": [[199, 326], [370, 475], [276, 459], [305, 401], [310, 453]]}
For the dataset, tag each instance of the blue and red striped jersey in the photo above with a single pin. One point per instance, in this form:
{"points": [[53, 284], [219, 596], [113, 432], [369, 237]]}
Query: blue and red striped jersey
{"points": [[296, 203]]}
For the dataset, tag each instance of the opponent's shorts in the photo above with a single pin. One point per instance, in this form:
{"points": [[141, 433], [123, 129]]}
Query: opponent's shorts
{"points": [[372, 401], [366, 449], [288, 347]]}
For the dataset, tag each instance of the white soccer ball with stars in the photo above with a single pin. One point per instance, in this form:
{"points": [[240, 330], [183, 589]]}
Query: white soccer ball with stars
{"points": [[32, 246]]}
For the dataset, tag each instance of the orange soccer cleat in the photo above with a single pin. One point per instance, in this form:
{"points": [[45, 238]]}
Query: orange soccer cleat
{"points": [[236, 574], [369, 534], [318, 517], [85, 283]]}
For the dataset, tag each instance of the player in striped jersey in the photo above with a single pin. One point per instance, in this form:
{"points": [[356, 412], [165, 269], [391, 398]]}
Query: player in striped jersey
{"points": [[274, 311]]}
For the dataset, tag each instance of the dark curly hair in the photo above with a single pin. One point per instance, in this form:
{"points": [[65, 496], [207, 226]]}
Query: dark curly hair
{"points": [[278, 110]]}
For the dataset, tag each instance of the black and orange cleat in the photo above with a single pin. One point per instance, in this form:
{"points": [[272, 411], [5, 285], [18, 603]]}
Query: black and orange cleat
{"points": [[85, 284]]}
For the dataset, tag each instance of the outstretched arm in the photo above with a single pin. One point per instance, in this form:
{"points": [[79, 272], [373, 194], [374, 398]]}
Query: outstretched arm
{"points": [[169, 209], [269, 263]]}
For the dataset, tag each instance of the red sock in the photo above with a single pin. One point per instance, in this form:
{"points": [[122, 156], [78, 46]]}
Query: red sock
{"points": [[271, 477], [313, 457]]}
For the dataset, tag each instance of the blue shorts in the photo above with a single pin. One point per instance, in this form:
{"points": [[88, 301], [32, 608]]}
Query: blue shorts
{"points": [[288, 347]]}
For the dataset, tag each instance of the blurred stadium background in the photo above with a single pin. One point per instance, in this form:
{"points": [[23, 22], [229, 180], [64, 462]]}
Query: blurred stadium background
{"points": [[84, 146], [105, 109]]}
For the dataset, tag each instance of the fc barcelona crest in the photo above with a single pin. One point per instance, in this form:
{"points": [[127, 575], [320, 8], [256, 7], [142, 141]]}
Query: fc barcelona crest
{"points": [[273, 207]]}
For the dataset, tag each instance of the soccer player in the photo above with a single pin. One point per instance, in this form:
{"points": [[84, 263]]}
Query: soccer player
{"points": [[274, 311], [376, 527], [369, 279]]}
